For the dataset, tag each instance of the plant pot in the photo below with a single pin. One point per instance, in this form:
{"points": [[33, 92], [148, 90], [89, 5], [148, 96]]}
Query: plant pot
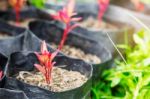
{"points": [[52, 32], [11, 94], [122, 32], [3, 68], [20, 41], [26, 15], [103, 53], [24, 61], [7, 30], [124, 29]]}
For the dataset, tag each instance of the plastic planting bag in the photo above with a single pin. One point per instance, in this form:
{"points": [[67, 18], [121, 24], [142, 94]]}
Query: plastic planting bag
{"points": [[25, 13], [25, 41], [3, 68], [54, 30], [24, 61], [28, 42], [10, 30], [11, 94]]}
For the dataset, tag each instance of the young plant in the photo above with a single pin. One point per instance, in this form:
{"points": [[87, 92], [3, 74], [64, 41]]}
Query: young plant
{"points": [[17, 5], [102, 5], [46, 62], [66, 15], [1, 74]]}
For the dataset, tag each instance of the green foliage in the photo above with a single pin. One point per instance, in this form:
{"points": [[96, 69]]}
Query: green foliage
{"points": [[38, 3], [131, 80]]}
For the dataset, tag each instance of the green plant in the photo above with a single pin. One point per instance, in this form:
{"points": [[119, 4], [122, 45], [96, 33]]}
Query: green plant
{"points": [[129, 80], [38, 3]]}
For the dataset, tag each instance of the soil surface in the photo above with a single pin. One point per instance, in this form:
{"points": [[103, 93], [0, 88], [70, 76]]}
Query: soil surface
{"points": [[62, 79], [94, 24], [4, 35], [78, 53]]}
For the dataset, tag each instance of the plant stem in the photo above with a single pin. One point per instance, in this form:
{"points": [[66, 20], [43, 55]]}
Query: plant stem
{"points": [[136, 91], [17, 11], [64, 37]]}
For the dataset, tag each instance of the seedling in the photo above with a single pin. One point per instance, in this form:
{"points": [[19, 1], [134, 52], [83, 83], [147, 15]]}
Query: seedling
{"points": [[46, 62], [102, 5], [46, 58], [66, 15]]}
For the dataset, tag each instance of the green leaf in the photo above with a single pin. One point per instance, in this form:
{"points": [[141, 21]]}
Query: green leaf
{"points": [[115, 82], [38, 3], [131, 80], [138, 40]]}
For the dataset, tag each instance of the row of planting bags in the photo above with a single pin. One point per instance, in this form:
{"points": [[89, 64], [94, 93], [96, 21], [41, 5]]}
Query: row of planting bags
{"points": [[17, 52]]}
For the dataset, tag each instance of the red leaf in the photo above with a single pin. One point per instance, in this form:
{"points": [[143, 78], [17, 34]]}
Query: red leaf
{"points": [[44, 49], [72, 27], [1, 74], [53, 63], [40, 68], [42, 58], [53, 55], [55, 17], [103, 5], [64, 17], [70, 7]]}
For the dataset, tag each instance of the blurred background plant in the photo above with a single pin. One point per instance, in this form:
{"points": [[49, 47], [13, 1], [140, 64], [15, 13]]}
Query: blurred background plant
{"points": [[38, 3], [131, 80]]}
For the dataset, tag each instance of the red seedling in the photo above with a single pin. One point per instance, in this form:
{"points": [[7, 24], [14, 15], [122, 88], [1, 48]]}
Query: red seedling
{"points": [[46, 62], [66, 15], [103, 5], [17, 5], [1, 74]]}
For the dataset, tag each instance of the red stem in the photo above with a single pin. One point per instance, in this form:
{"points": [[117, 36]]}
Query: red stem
{"points": [[46, 76], [64, 37], [1, 75], [17, 11]]}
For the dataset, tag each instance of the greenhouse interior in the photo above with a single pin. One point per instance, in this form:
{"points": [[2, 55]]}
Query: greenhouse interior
{"points": [[74, 49]]}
